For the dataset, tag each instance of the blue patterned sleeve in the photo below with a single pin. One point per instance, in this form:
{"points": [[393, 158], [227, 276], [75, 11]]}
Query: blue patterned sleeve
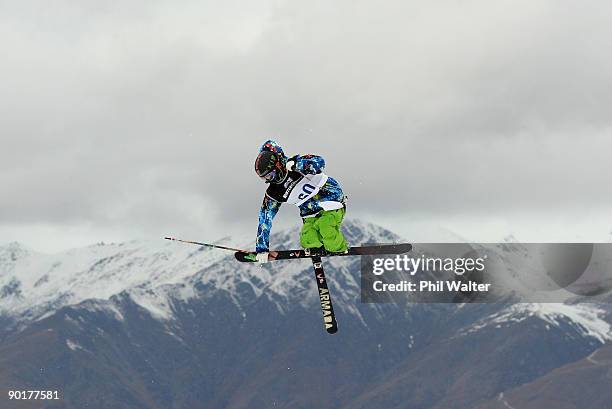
{"points": [[268, 210], [309, 164]]}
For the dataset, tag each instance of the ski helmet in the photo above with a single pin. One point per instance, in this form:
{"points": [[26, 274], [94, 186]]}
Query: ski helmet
{"points": [[271, 163]]}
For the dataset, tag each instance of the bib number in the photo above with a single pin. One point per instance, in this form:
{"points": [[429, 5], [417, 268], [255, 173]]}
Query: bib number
{"points": [[307, 189]]}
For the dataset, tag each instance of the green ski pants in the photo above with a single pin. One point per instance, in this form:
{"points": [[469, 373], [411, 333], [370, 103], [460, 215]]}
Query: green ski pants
{"points": [[324, 231]]}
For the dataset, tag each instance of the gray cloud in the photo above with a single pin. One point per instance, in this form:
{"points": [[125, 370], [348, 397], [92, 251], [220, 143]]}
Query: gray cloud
{"points": [[128, 118]]}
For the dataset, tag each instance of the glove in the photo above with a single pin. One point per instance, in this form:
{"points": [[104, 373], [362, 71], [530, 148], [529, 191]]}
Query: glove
{"points": [[262, 257]]}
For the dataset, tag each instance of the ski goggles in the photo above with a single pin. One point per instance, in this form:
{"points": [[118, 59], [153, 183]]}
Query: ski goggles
{"points": [[270, 176]]}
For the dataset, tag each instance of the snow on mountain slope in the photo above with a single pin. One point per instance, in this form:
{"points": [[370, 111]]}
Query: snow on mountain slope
{"points": [[31, 283], [588, 320], [155, 272]]}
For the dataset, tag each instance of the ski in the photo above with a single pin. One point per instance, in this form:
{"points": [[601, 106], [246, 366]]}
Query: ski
{"points": [[400, 248], [329, 318]]}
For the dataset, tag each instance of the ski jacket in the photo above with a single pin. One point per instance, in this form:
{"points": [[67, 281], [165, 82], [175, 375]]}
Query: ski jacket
{"points": [[307, 187]]}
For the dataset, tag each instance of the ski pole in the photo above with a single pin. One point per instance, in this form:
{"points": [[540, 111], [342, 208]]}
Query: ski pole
{"points": [[215, 246]]}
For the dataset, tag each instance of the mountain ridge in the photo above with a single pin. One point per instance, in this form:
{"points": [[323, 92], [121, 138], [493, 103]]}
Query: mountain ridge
{"points": [[216, 333]]}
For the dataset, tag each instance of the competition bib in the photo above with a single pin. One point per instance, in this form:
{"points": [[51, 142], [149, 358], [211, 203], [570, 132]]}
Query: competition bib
{"points": [[297, 188], [306, 188]]}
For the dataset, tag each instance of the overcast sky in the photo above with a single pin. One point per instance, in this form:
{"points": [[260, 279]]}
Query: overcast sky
{"points": [[122, 120]]}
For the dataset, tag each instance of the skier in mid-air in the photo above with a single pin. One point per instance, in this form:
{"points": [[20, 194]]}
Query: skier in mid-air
{"points": [[299, 180]]}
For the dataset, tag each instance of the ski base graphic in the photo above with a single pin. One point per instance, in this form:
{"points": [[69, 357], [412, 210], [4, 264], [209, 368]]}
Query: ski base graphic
{"points": [[399, 248], [329, 318]]}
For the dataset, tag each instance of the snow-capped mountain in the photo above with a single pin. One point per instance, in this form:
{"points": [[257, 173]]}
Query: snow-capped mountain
{"points": [[168, 325], [587, 320], [34, 284]]}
